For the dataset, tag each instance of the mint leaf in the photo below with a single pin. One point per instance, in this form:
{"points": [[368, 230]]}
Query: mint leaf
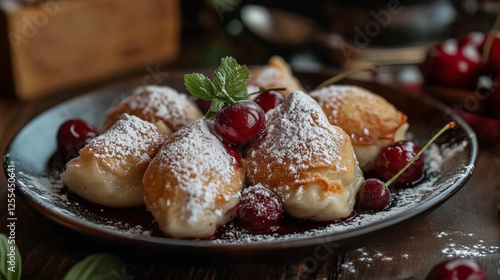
{"points": [[228, 86], [215, 107], [98, 266], [200, 86], [230, 79], [10, 260]]}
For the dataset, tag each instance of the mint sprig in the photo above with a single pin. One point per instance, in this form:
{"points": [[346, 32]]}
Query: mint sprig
{"points": [[227, 87]]}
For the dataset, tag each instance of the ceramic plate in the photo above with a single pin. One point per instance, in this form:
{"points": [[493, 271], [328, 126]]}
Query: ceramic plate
{"points": [[449, 164]]}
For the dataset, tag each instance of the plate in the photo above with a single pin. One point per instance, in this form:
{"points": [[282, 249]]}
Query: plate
{"points": [[449, 164]]}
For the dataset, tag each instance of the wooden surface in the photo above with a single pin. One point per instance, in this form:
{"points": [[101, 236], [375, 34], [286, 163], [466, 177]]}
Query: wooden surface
{"points": [[467, 225], [61, 44]]}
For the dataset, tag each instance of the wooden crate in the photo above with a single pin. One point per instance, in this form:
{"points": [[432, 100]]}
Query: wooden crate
{"points": [[60, 44]]}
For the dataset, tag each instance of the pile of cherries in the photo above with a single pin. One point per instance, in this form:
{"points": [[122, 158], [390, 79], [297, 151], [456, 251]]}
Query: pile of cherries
{"points": [[238, 125], [458, 64]]}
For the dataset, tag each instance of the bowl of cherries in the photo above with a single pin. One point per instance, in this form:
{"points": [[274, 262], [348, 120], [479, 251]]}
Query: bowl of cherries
{"points": [[465, 73]]}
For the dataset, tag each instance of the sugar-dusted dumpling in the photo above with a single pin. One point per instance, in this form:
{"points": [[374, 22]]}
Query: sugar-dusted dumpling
{"points": [[193, 185], [370, 121], [309, 163], [110, 168], [161, 105], [276, 74]]}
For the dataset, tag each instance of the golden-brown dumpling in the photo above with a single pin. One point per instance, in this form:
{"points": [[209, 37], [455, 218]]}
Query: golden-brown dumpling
{"points": [[193, 184], [110, 168], [309, 163], [276, 74], [156, 104], [370, 121]]}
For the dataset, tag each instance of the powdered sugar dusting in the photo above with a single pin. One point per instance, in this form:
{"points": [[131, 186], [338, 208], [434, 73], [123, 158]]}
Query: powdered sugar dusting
{"points": [[186, 164], [128, 137], [472, 249], [403, 200], [297, 132], [161, 102]]}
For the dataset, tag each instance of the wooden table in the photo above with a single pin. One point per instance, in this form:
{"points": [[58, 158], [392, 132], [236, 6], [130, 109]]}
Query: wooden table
{"points": [[467, 225]]}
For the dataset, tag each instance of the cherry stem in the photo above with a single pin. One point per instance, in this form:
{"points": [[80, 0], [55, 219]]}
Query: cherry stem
{"points": [[489, 39], [265, 89], [446, 127], [351, 72]]}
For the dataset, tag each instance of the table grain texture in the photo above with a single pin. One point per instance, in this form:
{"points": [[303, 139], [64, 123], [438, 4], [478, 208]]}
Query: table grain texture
{"points": [[467, 225]]}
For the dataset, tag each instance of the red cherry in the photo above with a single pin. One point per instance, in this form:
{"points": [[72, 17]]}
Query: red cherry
{"points": [[475, 39], [74, 135], [457, 269], [396, 156], [259, 208], [269, 99], [233, 151], [240, 122], [453, 66], [373, 194]]}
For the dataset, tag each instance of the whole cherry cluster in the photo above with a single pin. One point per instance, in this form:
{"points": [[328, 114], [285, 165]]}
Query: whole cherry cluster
{"points": [[470, 64], [459, 63]]}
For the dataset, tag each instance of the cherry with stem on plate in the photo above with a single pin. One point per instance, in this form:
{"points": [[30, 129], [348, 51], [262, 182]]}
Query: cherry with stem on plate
{"points": [[394, 157], [375, 194]]}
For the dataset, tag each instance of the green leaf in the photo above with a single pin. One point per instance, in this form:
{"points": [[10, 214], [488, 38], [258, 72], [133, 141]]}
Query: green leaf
{"points": [[215, 107], [101, 266], [230, 78], [10, 259], [199, 86], [228, 86]]}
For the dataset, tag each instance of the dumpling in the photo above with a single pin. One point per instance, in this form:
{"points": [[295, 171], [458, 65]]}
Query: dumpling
{"points": [[161, 105], [370, 121], [309, 163], [276, 74], [110, 168], [193, 185]]}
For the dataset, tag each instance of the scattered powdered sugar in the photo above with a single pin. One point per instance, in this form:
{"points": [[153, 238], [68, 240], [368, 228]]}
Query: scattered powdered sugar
{"points": [[403, 199], [471, 249], [50, 191], [128, 137], [367, 256]]}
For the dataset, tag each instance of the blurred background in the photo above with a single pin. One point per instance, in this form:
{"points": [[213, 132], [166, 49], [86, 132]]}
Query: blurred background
{"points": [[54, 46]]}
